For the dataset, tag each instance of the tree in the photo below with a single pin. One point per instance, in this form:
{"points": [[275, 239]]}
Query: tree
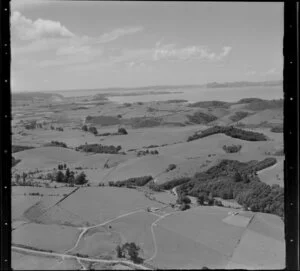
{"points": [[119, 251], [81, 179], [186, 200], [49, 176], [93, 130], [60, 177], [132, 251], [84, 128], [171, 167], [201, 197], [238, 177], [17, 177], [67, 175], [122, 131], [24, 176], [184, 207]]}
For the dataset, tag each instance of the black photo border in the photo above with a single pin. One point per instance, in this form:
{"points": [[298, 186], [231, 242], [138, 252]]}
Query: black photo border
{"points": [[291, 133]]}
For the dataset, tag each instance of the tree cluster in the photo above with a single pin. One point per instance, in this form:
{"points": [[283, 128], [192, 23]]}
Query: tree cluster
{"points": [[93, 130], [30, 125], [84, 128], [121, 131], [153, 186], [137, 181], [69, 177], [98, 148], [146, 152], [277, 129], [170, 167], [230, 131], [56, 144], [129, 250], [62, 166], [201, 118], [232, 148]]}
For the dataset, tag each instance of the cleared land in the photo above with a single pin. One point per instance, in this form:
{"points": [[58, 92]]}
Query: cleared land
{"points": [[92, 221], [45, 237], [96, 205]]}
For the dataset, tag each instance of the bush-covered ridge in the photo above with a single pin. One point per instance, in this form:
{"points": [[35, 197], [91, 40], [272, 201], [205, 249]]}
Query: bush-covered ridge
{"points": [[239, 115], [232, 179], [18, 148], [14, 161], [230, 131], [206, 104], [201, 118], [265, 104]]}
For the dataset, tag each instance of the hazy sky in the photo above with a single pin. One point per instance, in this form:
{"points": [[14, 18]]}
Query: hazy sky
{"points": [[72, 45]]}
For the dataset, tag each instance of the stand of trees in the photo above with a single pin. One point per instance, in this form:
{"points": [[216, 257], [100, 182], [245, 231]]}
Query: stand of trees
{"points": [[170, 167], [129, 250], [56, 144], [232, 149], [68, 177], [146, 152], [278, 129], [98, 148], [230, 131], [121, 131], [201, 118], [137, 181], [93, 130]]}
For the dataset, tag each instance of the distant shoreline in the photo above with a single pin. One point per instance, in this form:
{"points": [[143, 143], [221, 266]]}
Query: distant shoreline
{"points": [[169, 87]]}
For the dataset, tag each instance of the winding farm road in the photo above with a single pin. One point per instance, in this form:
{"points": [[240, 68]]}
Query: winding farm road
{"points": [[84, 230], [78, 258], [153, 235]]}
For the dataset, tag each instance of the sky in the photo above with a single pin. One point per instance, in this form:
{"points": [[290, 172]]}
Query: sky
{"points": [[60, 45]]}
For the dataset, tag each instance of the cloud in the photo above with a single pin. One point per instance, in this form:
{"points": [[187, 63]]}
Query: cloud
{"points": [[64, 61], [74, 49], [170, 52], [226, 51], [271, 71], [250, 73], [117, 33], [30, 36], [26, 29]]}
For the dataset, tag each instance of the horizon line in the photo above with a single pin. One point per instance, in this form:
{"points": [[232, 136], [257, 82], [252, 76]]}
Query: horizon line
{"points": [[280, 81]]}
